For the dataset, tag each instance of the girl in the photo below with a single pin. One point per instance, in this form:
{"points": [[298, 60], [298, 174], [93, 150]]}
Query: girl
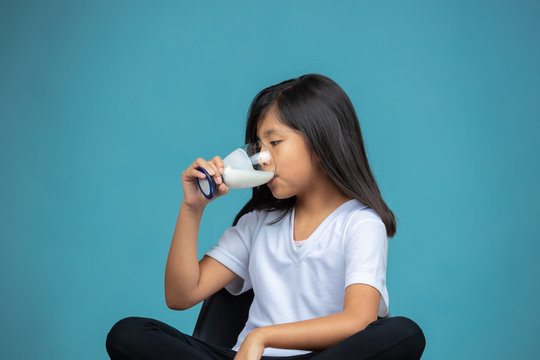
{"points": [[312, 244]]}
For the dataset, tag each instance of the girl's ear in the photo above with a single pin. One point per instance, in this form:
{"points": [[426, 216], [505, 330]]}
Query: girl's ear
{"points": [[315, 158]]}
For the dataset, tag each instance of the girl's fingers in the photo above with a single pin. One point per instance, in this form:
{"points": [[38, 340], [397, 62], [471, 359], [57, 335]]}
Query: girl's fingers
{"points": [[219, 164], [214, 168], [211, 167], [223, 189], [197, 174], [208, 166]]}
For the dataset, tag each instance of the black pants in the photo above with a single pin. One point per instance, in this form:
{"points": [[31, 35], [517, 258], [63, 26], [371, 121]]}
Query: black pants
{"points": [[144, 338]]}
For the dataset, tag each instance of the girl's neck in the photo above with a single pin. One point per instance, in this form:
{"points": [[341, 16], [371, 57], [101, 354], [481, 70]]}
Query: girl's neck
{"points": [[322, 198]]}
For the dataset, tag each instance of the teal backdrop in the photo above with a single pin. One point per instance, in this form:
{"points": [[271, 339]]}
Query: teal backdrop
{"points": [[104, 103]]}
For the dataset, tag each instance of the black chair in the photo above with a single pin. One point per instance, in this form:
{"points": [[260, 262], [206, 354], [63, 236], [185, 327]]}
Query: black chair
{"points": [[222, 318]]}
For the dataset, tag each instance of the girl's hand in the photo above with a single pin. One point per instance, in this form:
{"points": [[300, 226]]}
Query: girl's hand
{"points": [[252, 348], [193, 197]]}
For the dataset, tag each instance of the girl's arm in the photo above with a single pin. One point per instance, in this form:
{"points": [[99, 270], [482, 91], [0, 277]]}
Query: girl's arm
{"points": [[188, 281], [360, 308]]}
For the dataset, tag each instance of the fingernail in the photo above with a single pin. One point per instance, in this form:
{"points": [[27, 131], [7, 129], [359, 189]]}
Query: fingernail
{"points": [[211, 172], [221, 170]]}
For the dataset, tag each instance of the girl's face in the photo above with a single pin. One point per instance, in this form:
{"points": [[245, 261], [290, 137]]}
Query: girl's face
{"points": [[295, 168]]}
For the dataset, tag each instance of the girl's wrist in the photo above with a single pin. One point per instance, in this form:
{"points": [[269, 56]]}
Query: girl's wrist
{"points": [[192, 210], [259, 335]]}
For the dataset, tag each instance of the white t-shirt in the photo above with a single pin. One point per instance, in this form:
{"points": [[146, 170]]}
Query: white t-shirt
{"points": [[350, 246]]}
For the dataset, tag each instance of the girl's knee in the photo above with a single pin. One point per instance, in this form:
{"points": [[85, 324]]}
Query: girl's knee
{"points": [[124, 332], [409, 331], [405, 325]]}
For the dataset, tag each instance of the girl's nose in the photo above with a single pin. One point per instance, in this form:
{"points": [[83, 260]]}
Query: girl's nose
{"points": [[265, 160]]}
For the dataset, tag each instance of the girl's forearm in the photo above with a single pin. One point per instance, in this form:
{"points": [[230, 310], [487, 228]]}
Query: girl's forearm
{"points": [[182, 269], [314, 334]]}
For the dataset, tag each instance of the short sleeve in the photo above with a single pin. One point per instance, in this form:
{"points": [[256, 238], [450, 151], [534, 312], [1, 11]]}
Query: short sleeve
{"points": [[233, 251], [366, 254]]}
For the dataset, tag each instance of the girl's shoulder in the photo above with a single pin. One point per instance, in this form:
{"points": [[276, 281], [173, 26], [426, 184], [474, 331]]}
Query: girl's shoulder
{"points": [[364, 223], [359, 212]]}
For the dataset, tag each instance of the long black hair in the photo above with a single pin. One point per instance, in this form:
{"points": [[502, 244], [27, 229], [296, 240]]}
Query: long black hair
{"points": [[319, 109]]}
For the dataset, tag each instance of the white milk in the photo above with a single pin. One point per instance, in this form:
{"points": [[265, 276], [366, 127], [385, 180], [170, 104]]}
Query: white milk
{"points": [[244, 179]]}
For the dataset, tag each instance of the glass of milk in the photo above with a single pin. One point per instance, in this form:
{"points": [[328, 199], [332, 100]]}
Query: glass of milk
{"points": [[246, 167]]}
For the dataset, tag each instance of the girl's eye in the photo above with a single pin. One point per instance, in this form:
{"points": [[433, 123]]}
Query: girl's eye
{"points": [[275, 142]]}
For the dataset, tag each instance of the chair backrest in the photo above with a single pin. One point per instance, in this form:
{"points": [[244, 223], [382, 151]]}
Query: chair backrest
{"points": [[222, 317]]}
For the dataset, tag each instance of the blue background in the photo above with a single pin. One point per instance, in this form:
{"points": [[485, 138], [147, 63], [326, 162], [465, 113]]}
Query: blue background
{"points": [[104, 103]]}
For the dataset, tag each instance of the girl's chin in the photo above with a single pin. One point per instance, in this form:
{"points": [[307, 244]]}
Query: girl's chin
{"points": [[280, 194]]}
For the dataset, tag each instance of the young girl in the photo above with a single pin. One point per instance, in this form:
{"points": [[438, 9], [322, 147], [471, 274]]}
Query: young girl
{"points": [[311, 243]]}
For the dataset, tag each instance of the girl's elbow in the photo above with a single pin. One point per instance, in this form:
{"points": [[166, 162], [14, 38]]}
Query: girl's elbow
{"points": [[367, 322], [360, 322], [178, 303]]}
